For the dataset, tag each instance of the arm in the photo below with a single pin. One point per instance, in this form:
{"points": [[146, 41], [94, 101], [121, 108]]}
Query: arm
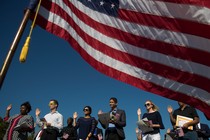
{"points": [[75, 115], [38, 121], [195, 121], [191, 123], [170, 111], [138, 134], [93, 126], [139, 114], [99, 119], [160, 122], [7, 115], [31, 124]]}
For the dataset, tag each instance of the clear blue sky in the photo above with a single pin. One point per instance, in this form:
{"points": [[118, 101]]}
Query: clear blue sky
{"points": [[53, 70]]}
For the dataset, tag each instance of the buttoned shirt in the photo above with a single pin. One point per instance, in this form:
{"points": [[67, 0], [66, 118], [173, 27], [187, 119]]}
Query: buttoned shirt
{"points": [[55, 118], [112, 114]]}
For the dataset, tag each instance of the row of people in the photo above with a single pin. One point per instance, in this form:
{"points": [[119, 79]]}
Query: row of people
{"points": [[52, 124], [113, 122]]}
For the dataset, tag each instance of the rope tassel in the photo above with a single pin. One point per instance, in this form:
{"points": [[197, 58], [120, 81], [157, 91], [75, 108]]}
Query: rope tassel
{"points": [[24, 51]]}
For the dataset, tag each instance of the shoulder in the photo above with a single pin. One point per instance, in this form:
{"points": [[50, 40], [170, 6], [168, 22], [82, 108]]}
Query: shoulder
{"points": [[59, 114], [93, 118], [29, 117], [80, 118], [120, 110], [157, 112]]}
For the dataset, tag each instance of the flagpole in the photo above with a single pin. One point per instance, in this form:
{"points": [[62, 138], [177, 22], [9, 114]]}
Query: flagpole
{"points": [[13, 47]]}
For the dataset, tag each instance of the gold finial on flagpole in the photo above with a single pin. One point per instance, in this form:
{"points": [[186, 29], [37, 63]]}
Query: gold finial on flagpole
{"points": [[25, 48]]}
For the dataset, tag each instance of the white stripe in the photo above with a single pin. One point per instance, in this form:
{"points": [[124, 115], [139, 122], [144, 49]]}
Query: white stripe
{"points": [[167, 36], [170, 61], [167, 9], [128, 69]]}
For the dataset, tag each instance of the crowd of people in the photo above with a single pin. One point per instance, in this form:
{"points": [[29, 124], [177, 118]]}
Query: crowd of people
{"points": [[185, 124]]}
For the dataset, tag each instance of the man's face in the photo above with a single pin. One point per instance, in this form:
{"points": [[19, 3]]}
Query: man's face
{"points": [[52, 105], [112, 104], [181, 104]]}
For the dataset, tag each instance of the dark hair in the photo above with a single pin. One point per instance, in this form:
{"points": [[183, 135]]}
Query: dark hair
{"points": [[114, 99], [27, 105], [90, 109], [70, 121], [55, 101]]}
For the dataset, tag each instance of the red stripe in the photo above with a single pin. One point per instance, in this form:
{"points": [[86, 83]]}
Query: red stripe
{"points": [[148, 86], [203, 3], [166, 23], [164, 48], [13, 124], [159, 69]]}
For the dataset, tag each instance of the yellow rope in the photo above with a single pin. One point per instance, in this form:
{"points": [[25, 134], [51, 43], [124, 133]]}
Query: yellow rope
{"points": [[24, 51]]}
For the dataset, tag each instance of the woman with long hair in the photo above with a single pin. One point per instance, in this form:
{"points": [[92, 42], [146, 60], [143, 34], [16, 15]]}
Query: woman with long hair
{"points": [[153, 119]]}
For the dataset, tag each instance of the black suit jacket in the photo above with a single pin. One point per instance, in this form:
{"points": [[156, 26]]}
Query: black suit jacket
{"points": [[120, 122], [204, 132]]}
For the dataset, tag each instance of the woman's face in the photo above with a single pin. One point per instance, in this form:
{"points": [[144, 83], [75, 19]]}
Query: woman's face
{"points": [[86, 111], [23, 110], [148, 105]]}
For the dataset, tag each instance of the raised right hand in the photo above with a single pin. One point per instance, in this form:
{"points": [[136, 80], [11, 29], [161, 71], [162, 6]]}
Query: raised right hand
{"points": [[37, 112], [9, 107], [138, 111], [75, 115], [170, 109]]}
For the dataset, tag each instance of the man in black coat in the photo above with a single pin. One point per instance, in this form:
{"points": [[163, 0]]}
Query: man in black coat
{"points": [[113, 121]]}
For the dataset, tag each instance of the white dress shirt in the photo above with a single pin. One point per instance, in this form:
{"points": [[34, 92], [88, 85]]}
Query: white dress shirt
{"points": [[55, 118]]}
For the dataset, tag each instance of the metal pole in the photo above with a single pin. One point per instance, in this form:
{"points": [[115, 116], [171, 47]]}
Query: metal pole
{"points": [[13, 47]]}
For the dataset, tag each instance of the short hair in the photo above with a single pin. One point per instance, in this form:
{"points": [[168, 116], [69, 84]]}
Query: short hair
{"points": [[27, 105], [55, 101], [90, 109], [114, 99]]}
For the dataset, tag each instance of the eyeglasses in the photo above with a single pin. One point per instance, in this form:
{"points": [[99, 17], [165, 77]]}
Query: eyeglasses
{"points": [[85, 109], [51, 104], [147, 104]]}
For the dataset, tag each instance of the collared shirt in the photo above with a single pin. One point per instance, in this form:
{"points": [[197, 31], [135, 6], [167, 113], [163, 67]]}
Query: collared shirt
{"points": [[112, 114], [55, 118]]}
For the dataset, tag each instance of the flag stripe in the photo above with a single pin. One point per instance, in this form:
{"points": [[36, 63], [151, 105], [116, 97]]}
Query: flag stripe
{"points": [[205, 3], [188, 11], [160, 22], [147, 43], [133, 60], [164, 60]]}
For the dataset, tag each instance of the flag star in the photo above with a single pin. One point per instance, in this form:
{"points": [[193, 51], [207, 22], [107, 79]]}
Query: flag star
{"points": [[112, 5], [101, 3]]}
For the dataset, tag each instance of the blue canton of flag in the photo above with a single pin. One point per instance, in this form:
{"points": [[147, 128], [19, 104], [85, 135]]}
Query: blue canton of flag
{"points": [[109, 7]]}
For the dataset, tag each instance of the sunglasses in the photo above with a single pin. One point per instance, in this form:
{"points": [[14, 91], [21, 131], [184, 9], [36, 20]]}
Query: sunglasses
{"points": [[51, 104], [147, 104], [85, 109]]}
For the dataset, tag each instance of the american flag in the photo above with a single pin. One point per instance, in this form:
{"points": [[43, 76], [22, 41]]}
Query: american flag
{"points": [[160, 46]]}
